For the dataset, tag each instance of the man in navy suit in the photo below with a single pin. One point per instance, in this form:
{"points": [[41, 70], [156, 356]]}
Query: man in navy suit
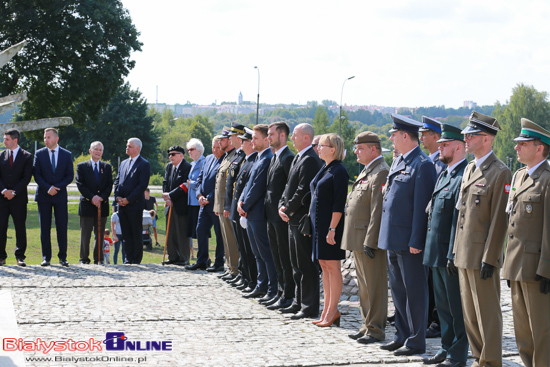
{"points": [[206, 190], [53, 171], [15, 175], [130, 184], [94, 179], [403, 227], [251, 206]]}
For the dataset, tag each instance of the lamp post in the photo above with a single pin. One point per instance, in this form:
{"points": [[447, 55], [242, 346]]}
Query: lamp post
{"points": [[258, 102], [341, 96]]}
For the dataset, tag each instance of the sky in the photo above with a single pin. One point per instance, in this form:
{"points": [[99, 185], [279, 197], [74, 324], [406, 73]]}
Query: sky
{"points": [[402, 53]]}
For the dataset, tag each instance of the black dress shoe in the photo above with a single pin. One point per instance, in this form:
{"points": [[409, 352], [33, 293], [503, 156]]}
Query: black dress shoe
{"points": [[196, 266], [168, 262], [228, 277], [64, 263], [304, 315], [451, 363], [182, 263], [267, 297], [215, 269], [281, 303], [235, 279], [255, 294], [237, 283], [21, 262], [408, 351], [438, 358], [45, 263], [271, 302], [367, 339], [290, 309], [433, 333], [2, 262], [242, 285], [391, 346], [248, 290], [356, 336]]}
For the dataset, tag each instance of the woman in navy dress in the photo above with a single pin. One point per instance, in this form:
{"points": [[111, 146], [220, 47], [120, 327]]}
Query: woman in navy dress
{"points": [[329, 190]]}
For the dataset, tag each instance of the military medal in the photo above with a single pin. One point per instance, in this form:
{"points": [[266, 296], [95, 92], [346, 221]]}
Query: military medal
{"points": [[529, 208]]}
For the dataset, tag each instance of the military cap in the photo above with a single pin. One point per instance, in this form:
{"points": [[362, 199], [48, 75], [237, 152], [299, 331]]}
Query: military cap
{"points": [[401, 122], [481, 123], [176, 148], [532, 131], [225, 132], [366, 137], [247, 134], [236, 129], [450, 133], [429, 123]]}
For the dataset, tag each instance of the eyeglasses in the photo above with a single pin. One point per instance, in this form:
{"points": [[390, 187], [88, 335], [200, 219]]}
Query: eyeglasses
{"points": [[324, 146], [173, 154], [314, 145], [191, 150], [469, 136]]}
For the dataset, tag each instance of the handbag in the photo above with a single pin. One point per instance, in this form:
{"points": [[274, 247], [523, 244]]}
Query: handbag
{"points": [[305, 225]]}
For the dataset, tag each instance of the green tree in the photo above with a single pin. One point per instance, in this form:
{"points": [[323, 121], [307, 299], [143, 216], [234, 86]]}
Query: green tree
{"points": [[348, 134], [525, 102], [320, 120], [78, 53]]}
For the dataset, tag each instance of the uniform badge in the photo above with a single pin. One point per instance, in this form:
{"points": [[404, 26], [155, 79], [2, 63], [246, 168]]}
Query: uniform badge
{"points": [[507, 188], [529, 208]]}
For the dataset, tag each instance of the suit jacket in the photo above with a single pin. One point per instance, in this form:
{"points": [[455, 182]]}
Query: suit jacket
{"points": [[408, 190], [232, 174], [133, 185], [442, 218], [528, 246], [221, 181], [253, 195], [196, 168], [277, 176], [296, 197], [45, 177], [16, 178], [240, 183], [171, 185], [206, 182], [481, 226], [364, 208], [89, 187]]}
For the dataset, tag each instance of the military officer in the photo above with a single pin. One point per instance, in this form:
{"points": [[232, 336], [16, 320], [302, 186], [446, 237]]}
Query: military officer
{"points": [[527, 260], [430, 133], [438, 253], [403, 228], [229, 241], [361, 227], [479, 239]]}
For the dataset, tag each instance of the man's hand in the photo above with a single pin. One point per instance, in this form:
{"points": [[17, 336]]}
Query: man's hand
{"points": [[217, 214], [168, 203], [242, 213], [369, 251], [115, 238], [122, 201], [487, 271], [544, 284], [226, 213], [282, 214], [9, 194], [53, 190], [451, 268], [414, 251], [96, 200], [165, 196]]}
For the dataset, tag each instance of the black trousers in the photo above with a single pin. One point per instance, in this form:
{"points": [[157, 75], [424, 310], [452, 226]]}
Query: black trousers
{"points": [[277, 232], [18, 211], [87, 224], [247, 261], [131, 226]]}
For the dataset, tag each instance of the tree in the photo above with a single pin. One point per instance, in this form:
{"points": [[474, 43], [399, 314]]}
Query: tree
{"points": [[77, 54], [320, 120], [525, 102], [125, 117]]}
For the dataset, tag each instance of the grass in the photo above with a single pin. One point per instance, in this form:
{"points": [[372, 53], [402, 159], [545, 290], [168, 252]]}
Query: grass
{"points": [[34, 251]]}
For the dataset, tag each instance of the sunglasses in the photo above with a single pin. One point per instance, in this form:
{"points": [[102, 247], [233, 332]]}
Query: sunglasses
{"points": [[469, 136], [173, 154], [191, 150]]}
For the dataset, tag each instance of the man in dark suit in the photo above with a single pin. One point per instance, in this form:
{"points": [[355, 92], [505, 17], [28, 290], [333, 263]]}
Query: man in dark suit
{"points": [[403, 234], [247, 261], [130, 184], [53, 171], [438, 254], [251, 206], [174, 193], [293, 207], [15, 175], [277, 229], [206, 190], [94, 180]]}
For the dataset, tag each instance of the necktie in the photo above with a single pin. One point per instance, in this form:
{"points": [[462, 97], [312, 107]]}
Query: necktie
{"points": [[128, 168], [524, 178], [96, 171], [294, 161], [53, 160], [173, 177], [11, 159], [443, 179]]}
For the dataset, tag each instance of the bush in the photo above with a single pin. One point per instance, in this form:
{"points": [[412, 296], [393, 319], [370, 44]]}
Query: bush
{"points": [[156, 180]]}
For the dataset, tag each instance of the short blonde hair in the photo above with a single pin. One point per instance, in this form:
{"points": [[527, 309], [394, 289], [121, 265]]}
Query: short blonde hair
{"points": [[336, 142]]}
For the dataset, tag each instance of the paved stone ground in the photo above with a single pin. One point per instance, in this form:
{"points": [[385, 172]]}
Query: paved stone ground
{"points": [[208, 322]]}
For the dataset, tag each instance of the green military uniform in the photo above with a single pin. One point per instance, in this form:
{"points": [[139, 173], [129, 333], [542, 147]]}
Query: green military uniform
{"points": [[528, 255]]}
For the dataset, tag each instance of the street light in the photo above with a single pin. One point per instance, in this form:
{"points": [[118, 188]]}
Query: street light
{"points": [[258, 102], [341, 95]]}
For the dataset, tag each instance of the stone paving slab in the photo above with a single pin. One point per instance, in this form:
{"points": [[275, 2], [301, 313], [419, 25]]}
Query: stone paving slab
{"points": [[207, 321]]}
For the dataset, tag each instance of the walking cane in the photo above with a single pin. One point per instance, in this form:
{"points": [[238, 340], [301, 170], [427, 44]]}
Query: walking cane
{"points": [[99, 248], [167, 230]]}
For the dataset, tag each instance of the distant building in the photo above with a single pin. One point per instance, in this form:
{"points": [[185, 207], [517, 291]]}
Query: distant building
{"points": [[470, 104], [240, 98]]}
